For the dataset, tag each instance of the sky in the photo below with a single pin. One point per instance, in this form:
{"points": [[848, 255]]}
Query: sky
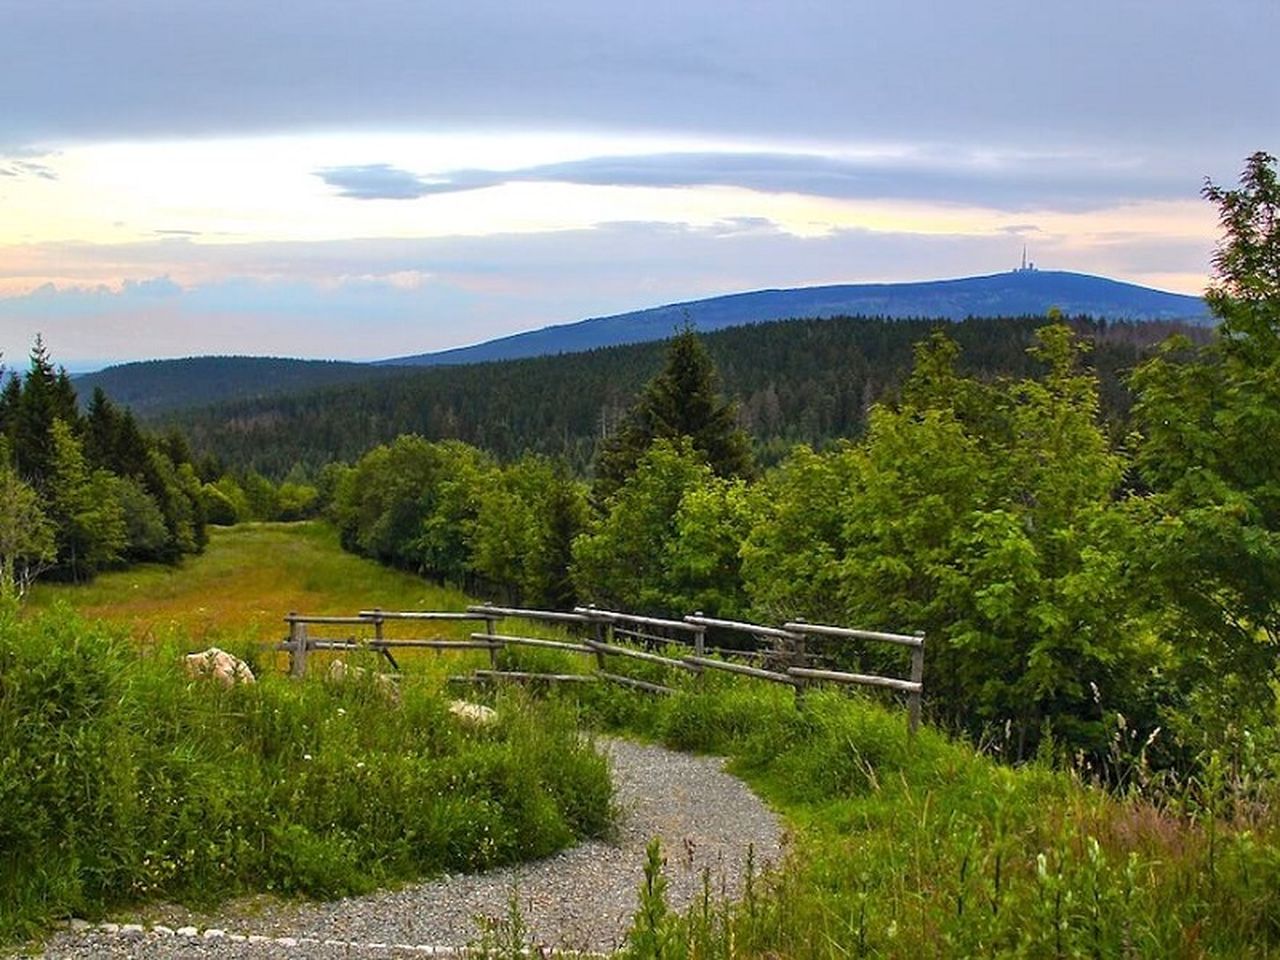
{"points": [[374, 179]]}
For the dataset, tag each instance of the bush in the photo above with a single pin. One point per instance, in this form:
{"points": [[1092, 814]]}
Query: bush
{"points": [[121, 779]]}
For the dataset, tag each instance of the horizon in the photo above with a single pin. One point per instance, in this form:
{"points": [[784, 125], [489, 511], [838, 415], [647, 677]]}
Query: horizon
{"points": [[399, 179], [90, 367]]}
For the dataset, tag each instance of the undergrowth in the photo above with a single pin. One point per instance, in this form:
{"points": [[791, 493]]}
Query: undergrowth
{"points": [[920, 847], [121, 780]]}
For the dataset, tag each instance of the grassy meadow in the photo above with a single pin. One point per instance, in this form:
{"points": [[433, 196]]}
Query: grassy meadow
{"points": [[123, 781], [901, 847], [243, 584]]}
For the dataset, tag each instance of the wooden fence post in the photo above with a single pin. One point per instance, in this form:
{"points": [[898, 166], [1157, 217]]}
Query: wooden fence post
{"points": [[700, 649], [917, 676], [801, 684], [604, 634], [490, 627], [298, 646]]}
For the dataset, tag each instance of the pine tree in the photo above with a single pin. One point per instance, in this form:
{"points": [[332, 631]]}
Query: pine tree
{"points": [[681, 401]]}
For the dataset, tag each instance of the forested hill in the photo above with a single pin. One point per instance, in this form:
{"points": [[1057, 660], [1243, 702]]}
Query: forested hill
{"points": [[796, 381], [157, 386], [1013, 294], [161, 386]]}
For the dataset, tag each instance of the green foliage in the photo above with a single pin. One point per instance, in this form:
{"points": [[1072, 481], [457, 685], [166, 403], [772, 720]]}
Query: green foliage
{"points": [[525, 526], [87, 518], [908, 847], [681, 401], [26, 535], [983, 514], [146, 536], [668, 537], [122, 780], [1210, 420], [798, 381], [415, 504]]}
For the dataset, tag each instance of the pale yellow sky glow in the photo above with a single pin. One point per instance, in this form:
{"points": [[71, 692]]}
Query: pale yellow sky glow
{"points": [[237, 191], [400, 176]]}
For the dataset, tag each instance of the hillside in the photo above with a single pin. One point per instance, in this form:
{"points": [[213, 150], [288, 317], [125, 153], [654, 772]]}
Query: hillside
{"points": [[155, 386], [1013, 294], [796, 381]]}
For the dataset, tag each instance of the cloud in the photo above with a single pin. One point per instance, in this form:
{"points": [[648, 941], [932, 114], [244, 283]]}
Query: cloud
{"points": [[385, 297], [1011, 183], [26, 168], [374, 181], [991, 72]]}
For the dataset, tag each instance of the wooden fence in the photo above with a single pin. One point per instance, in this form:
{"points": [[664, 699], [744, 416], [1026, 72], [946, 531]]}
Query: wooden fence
{"points": [[776, 654]]}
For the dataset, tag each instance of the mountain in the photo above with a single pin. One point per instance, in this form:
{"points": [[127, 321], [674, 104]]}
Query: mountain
{"points": [[156, 386], [1025, 292]]}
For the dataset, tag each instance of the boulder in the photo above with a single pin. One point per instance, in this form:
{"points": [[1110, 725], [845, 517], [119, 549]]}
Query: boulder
{"points": [[476, 714], [218, 665]]}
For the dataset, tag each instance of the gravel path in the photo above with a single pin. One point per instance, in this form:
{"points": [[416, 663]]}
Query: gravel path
{"points": [[580, 899]]}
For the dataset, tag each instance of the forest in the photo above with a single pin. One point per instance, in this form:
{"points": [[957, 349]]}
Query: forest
{"points": [[1083, 523], [796, 381], [81, 491], [1103, 589]]}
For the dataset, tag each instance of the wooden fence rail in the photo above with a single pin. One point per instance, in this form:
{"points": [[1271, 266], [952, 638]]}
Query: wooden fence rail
{"points": [[785, 646]]}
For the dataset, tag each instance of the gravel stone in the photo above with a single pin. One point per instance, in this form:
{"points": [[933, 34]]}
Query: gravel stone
{"points": [[580, 899]]}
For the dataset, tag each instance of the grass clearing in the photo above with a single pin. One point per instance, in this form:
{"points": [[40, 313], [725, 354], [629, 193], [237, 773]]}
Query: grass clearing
{"points": [[247, 579], [123, 781], [901, 847], [922, 847]]}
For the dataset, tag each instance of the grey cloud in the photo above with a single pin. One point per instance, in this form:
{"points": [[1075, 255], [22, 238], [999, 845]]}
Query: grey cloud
{"points": [[1166, 79], [26, 168], [326, 299], [1057, 182], [374, 181]]}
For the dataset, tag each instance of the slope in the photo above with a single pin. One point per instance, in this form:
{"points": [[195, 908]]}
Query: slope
{"points": [[1018, 293]]}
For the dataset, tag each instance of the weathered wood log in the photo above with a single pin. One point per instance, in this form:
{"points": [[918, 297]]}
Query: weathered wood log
{"points": [[374, 615], [861, 679], [823, 630], [549, 615], [535, 642], [525, 675], [741, 625], [917, 677], [638, 655], [437, 643], [637, 619], [741, 668], [633, 682]]}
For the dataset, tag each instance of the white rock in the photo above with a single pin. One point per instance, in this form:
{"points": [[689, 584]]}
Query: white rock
{"points": [[474, 713], [213, 933], [109, 927], [188, 932], [162, 929], [219, 665], [79, 926]]}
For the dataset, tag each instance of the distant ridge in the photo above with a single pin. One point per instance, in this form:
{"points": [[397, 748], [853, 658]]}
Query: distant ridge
{"points": [[149, 386], [1016, 293]]}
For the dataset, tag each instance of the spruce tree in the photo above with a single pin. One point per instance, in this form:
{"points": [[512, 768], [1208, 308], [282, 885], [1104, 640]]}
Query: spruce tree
{"points": [[681, 401]]}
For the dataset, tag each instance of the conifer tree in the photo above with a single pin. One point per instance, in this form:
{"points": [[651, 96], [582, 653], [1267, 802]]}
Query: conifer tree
{"points": [[681, 401]]}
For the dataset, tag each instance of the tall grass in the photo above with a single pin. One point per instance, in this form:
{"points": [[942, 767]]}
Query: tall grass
{"points": [[121, 780], [920, 847], [244, 583]]}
